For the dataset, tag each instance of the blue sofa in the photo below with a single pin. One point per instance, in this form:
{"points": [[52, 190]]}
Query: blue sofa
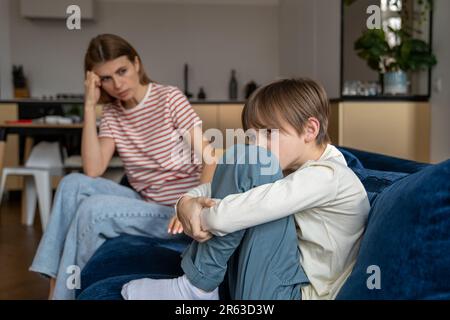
{"points": [[404, 254]]}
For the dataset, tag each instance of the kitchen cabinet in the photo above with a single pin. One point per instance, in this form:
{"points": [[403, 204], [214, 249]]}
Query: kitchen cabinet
{"points": [[220, 116], [395, 128], [209, 113], [230, 116], [9, 111]]}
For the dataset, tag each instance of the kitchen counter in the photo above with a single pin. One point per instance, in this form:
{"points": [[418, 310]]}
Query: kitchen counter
{"points": [[69, 101], [195, 101]]}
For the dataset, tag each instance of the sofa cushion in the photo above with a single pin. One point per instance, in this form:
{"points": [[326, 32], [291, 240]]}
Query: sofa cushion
{"points": [[134, 255], [374, 181], [352, 161], [405, 251]]}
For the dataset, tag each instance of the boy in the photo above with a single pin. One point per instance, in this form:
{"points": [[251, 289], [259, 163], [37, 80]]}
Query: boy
{"points": [[291, 237]]}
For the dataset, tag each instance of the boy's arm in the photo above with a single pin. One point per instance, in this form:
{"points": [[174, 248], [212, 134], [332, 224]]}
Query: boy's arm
{"points": [[203, 190], [188, 209], [310, 187]]}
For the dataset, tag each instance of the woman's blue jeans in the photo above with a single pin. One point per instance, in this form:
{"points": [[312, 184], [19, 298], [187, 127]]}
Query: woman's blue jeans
{"points": [[87, 211]]}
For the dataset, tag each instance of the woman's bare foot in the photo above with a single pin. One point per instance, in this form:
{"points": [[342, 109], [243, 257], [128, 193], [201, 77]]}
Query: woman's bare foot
{"points": [[52, 288]]}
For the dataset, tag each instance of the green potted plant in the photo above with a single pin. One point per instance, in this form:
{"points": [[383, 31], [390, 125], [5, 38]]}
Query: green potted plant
{"points": [[393, 62]]}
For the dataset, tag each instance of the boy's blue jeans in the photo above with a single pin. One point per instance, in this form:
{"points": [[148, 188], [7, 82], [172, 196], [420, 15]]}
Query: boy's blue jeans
{"points": [[261, 262]]}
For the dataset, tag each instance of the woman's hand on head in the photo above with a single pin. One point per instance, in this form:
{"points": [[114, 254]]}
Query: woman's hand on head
{"points": [[188, 212], [92, 86]]}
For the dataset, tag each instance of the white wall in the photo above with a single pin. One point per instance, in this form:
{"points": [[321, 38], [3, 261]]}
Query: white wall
{"points": [[440, 101], [296, 38], [285, 38], [5, 52], [310, 41], [328, 45], [212, 39]]}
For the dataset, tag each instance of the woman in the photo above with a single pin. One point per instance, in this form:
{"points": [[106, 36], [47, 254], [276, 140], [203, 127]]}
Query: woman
{"points": [[144, 121]]}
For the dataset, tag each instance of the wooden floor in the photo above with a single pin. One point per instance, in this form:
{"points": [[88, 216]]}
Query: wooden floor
{"points": [[18, 244]]}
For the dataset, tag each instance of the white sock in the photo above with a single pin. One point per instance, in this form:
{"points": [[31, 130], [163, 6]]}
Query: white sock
{"points": [[166, 289]]}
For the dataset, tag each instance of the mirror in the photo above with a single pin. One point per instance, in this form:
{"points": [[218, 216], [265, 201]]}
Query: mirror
{"points": [[404, 25]]}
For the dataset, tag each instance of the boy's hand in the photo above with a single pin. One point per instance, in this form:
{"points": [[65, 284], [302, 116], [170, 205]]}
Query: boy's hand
{"points": [[189, 211], [175, 226]]}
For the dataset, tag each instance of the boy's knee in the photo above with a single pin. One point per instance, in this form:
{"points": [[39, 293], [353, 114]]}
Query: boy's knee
{"points": [[243, 167], [252, 155]]}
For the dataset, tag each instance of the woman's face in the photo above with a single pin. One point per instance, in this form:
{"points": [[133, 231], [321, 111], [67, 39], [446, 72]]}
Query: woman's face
{"points": [[119, 77]]}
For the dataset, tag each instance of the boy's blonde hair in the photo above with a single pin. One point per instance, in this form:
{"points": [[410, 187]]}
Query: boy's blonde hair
{"points": [[291, 100]]}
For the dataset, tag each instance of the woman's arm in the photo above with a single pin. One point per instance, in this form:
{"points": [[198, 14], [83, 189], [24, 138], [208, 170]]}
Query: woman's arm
{"points": [[203, 149], [95, 153]]}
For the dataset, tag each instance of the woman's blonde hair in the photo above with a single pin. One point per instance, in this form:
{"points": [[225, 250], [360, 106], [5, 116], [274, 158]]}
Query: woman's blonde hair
{"points": [[291, 100], [106, 47]]}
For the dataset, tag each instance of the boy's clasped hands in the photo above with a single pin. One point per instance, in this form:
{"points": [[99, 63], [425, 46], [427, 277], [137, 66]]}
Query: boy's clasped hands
{"points": [[188, 217]]}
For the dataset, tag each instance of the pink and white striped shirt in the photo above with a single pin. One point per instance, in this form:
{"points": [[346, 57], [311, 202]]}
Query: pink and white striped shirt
{"points": [[147, 135]]}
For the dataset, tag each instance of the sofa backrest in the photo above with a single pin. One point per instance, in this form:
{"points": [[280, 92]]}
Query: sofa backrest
{"points": [[405, 250], [373, 180]]}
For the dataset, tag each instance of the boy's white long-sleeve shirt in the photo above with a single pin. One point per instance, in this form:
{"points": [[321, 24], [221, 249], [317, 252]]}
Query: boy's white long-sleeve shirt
{"points": [[330, 207]]}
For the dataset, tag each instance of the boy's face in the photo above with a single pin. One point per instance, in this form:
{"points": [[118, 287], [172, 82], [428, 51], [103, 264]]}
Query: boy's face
{"points": [[287, 145]]}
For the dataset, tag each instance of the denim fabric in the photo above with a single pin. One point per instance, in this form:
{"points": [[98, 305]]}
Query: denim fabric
{"points": [[408, 238], [87, 211]]}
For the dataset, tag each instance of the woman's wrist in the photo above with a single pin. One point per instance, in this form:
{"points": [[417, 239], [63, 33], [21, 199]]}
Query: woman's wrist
{"points": [[89, 106], [180, 203], [89, 113]]}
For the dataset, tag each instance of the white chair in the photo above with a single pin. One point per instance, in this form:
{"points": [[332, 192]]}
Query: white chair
{"points": [[44, 162]]}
